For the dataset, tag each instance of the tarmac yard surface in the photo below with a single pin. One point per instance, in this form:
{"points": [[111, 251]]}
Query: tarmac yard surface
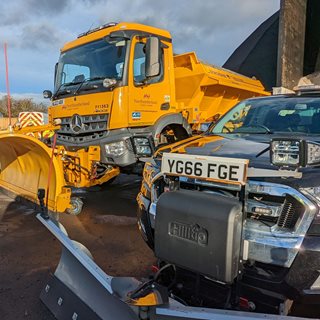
{"points": [[107, 227], [28, 252]]}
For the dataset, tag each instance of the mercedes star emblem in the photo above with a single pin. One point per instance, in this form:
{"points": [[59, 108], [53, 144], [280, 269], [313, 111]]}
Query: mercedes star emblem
{"points": [[76, 124]]}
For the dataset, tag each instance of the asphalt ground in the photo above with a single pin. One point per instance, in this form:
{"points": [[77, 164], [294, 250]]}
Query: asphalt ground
{"points": [[107, 227], [29, 252]]}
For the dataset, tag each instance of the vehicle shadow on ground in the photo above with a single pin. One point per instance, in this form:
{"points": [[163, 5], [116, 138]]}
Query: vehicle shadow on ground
{"points": [[107, 226]]}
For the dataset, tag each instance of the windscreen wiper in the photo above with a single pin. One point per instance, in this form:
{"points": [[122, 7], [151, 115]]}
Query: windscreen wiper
{"points": [[59, 91], [265, 128], [85, 81]]}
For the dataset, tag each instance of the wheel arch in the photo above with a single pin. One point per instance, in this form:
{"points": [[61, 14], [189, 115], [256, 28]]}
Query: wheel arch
{"points": [[170, 119]]}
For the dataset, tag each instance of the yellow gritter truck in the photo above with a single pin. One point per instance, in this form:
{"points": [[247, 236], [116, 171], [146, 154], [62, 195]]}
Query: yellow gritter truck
{"points": [[120, 87], [119, 93]]}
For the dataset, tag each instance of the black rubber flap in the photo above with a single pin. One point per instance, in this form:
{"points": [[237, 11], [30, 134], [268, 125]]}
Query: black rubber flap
{"points": [[63, 303]]}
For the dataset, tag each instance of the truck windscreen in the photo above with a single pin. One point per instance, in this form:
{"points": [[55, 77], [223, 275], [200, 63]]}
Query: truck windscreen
{"points": [[272, 115], [92, 61]]}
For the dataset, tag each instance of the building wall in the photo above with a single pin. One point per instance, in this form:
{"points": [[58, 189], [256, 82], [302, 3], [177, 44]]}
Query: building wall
{"points": [[292, 26], [283, 48]]}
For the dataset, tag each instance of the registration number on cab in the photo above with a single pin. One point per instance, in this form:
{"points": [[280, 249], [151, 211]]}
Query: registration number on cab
{"points": [[227, 170]]}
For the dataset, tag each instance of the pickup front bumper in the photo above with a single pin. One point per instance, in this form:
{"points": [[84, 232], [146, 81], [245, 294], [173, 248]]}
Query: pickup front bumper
{"points": [[79, 289], [300, 281]]}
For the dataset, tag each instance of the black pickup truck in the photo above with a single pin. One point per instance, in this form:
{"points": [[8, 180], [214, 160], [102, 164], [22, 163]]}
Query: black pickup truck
{"points": [[233, 214]]}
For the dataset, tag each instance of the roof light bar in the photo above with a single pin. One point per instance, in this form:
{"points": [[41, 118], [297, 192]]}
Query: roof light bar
{"points": [[104, 26]]}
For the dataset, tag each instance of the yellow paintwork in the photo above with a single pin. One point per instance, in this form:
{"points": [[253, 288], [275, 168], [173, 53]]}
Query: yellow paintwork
{"points": [[204, 92], [36, 129], [83, 104], [105, 31], [192, 142], [150, 300], [24, 168], [199, 91], [148, 99], [25, 163], [79, 167]]}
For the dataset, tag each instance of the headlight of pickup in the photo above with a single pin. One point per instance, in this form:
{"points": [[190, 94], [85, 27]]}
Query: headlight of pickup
{"points": [[294, 153], [286, 153]]}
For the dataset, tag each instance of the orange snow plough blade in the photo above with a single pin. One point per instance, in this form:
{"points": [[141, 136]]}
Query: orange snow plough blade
{"points": [[25, 166]]}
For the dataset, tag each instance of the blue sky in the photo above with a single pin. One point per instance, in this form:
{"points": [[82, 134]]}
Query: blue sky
{"points": [[35, 30]]}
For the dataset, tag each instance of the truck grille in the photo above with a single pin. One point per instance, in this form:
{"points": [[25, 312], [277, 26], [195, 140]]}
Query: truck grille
{"points": [[273, 210], [80, 129], [264, 207]]}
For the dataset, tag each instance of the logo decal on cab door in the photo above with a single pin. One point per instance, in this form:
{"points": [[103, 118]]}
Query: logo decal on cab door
{"points": [[136, 115]]}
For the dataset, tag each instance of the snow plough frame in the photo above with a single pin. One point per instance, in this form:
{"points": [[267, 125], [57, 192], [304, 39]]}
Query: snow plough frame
{"points": [[99, 296], [28, 164]]}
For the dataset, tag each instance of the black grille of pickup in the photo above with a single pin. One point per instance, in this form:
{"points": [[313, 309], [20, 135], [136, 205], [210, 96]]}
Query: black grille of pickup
{"points": [[290, 213], [264, 201], [284, 210]]}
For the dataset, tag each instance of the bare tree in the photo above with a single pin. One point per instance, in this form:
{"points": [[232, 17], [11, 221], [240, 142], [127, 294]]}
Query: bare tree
{"points": [[20, 105]]}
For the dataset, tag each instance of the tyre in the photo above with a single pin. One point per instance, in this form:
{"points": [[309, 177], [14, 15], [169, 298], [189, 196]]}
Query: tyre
{"points": [[76, 206]]}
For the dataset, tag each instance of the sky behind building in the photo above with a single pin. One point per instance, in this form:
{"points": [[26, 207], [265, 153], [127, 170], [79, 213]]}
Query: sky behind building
{"points": [[35, 30]]}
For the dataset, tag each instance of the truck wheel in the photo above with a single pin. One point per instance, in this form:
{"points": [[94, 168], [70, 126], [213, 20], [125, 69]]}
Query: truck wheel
{"points": [[171, 134], [76, 206]]}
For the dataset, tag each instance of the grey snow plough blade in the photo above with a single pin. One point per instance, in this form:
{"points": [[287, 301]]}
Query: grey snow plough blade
{"points": [[79, 289]]}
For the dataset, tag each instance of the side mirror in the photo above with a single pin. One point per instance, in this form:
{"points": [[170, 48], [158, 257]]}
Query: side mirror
{"points": [[152, 57], [47, 94]]}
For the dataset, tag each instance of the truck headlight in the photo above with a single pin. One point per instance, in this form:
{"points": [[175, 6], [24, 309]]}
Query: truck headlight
{"points": [[142, 146], [116, 148], [294, 153]]}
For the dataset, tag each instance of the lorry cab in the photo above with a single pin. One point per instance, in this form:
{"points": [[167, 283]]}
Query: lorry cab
{"points": [[111, 82], [120, 87]]}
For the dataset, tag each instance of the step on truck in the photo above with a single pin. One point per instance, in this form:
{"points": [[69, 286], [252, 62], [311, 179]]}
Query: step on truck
{"points": [[232, 216]]}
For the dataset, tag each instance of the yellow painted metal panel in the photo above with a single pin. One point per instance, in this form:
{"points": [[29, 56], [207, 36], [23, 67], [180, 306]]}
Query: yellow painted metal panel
{"points": [[87, 104], [24, 168], [103, 32], [206, 91]]}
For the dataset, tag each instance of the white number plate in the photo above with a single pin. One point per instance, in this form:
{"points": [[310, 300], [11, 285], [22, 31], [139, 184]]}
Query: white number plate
{"points": [[227, 170]]}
